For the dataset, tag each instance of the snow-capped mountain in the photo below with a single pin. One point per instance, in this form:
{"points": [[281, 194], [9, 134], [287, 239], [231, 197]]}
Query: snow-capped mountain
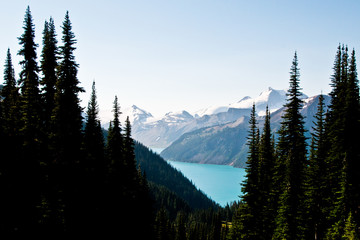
{"points": [[161, 132], [137, 114], [226, 144], [273, 98]]}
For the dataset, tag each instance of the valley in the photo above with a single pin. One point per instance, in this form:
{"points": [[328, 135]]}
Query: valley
{"points": [[216, 134]]}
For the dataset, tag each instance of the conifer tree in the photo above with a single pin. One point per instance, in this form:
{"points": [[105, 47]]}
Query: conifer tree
{"points": [[267, 202], [292, 148], [66, 137], [10, 95], [93, 137], [129, 158], [342, 138], [93, 167], [115, 141], [317, 173], [335, 121], [10, 144], [30, 131], [352, 141], [351, 229], [115, 188], [249, 212], [29, 83], [49, 65]]}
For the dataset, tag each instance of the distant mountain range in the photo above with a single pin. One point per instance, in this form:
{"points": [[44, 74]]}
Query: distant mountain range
{"points": [[216, 134], [226, 144], [162, 132]]}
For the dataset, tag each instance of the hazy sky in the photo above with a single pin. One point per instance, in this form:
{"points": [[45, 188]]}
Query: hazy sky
{"points": [[167, 55]]}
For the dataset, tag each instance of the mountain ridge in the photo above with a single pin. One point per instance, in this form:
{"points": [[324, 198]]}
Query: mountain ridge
{"points": [[162, 132], [226, 144]]}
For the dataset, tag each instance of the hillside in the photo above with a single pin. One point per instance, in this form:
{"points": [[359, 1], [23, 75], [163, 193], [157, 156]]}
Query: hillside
{"points": [[226, 144], [161, 132], [173, 185]]}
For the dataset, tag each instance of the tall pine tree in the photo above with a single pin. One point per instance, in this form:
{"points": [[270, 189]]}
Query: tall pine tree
{"points": [[11, 146], [343, 152], [49, 65], [66, 137], [267, 202], [30, 131], [290, 221], [115, 189], [246, 226], [93, 167], [317, 190], [10, 95]]}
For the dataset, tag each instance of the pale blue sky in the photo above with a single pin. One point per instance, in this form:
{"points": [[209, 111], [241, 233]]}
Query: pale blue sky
{"points": [[189, 54]]}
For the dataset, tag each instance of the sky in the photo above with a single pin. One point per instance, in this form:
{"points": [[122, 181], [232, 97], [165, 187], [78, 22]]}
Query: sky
{"points": [[167, 55]]}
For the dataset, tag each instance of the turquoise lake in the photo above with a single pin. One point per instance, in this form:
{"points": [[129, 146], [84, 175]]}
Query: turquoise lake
{"points": [[219, 182]]}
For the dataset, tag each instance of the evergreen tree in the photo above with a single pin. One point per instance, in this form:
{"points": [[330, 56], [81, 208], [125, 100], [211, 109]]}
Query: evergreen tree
{"points": [[351, 229], [93, 138], [66, 137], [317, 174], [29, 83], [93, 167], [342, 138], [292, 148], [267, 202], [163, 229], [115, 188], [10, 145], [335, 122], [49, 65], [352, 141], [180, 233], [28, 179], [249, 211], [10, 95], [115, 141], [131, 174]]}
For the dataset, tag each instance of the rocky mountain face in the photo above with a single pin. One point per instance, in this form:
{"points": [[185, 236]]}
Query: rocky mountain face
{"points": [[216, 134], [226, 144], [162, 132]]}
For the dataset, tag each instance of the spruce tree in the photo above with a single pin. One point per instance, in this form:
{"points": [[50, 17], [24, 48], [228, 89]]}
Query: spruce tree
{"points": [[249, 212], [317, 173], [267, 202], [10, 95], [290, 221], [132, 177], [342, 131], [66, 136], [352, 141], [10, 144], [93, 167], [93, 137], [30, 131], [115, 141], [49, 65], [115, 188], [137, 197], [335, 121], [29, 84]]}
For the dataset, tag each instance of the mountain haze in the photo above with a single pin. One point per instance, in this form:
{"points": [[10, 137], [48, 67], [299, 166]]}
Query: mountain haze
{"points": [[162, 132], [226, 144]]}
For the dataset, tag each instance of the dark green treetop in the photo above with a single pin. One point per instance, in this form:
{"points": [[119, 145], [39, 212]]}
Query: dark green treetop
{"points": [[292, 155], [49, 65]]}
